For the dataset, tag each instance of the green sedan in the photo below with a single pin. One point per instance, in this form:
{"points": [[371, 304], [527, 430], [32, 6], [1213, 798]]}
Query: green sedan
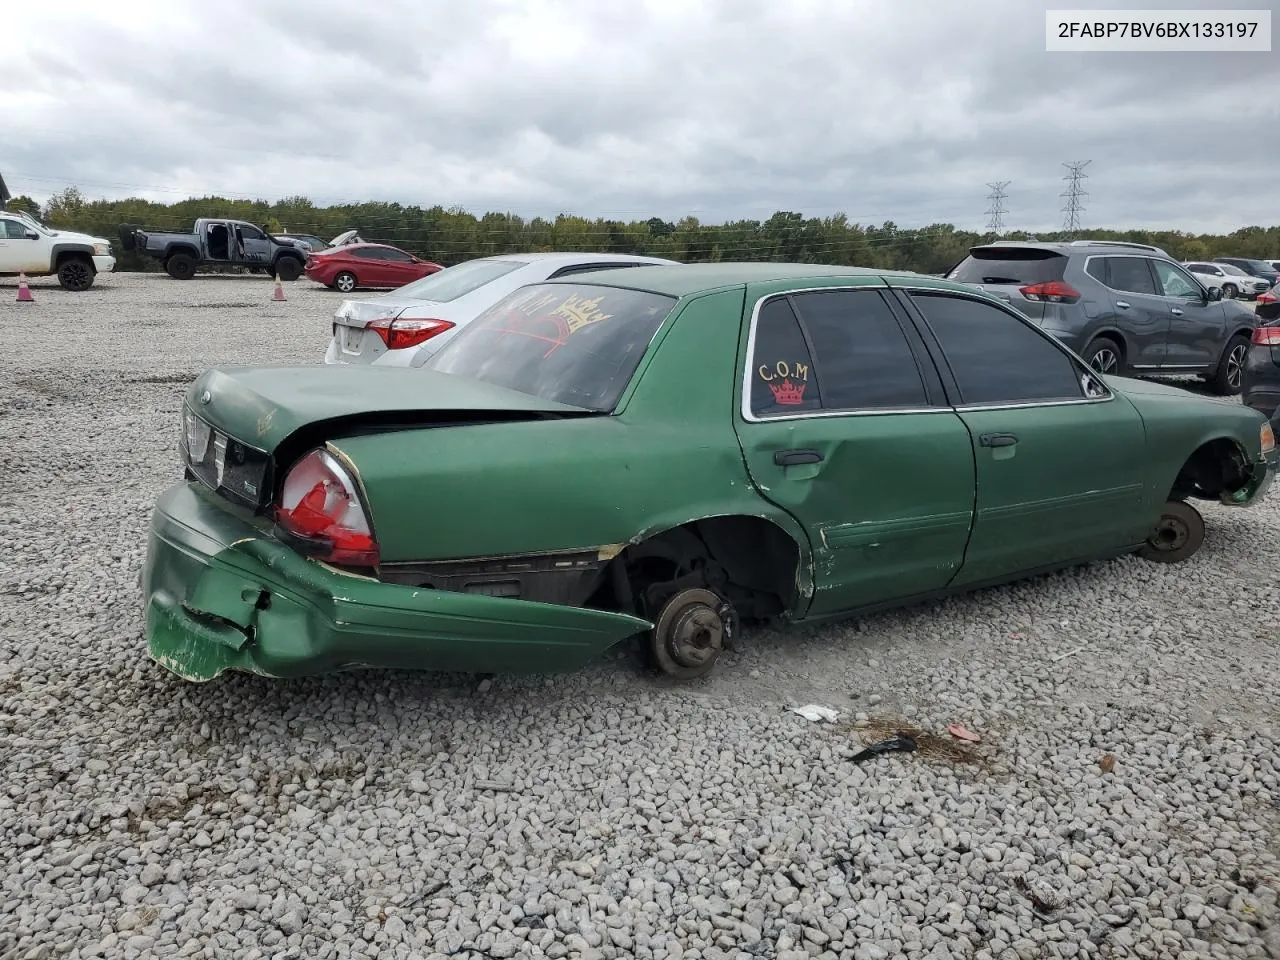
{"points": [[661, 454]]}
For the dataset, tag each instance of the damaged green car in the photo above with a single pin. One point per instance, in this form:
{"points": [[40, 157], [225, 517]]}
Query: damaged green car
{"points": [[663, 453]]}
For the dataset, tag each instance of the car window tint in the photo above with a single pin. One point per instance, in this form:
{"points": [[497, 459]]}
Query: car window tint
{"points": [[1174, 282], [565, 342], [13, 229], [398, 255], [1005, 265], [863, 358], [250, 233], [1097, 268], [782, 377], [367, 253], [994, 356], [1130, 275]]}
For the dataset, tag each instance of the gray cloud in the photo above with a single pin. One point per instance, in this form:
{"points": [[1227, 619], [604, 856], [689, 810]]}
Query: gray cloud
{"points": [[722, 109]]}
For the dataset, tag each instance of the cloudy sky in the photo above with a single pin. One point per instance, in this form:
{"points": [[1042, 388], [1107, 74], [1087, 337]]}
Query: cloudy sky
{"points": [[881, 109]]}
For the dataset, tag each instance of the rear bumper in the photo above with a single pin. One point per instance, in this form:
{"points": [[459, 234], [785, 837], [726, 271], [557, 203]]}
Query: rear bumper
{"points": [[104, 264], [220, 594]]}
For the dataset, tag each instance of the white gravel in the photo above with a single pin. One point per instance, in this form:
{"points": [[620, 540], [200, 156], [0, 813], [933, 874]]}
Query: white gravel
{"points": [[602, 814]]}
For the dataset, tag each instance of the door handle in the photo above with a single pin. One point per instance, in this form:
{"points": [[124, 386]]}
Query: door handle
{"points": [[1123, 305], [793, 458], [1176, 312], [997, 439]]}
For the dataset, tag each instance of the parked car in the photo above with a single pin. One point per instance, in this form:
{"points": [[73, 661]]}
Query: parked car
{"points": [[28, 246], [408, 325], [353, 265], [663, 453], [314, 244], [1124, 307], [1261, 380], [1255, 268], [1230, 279], [216, 242]]}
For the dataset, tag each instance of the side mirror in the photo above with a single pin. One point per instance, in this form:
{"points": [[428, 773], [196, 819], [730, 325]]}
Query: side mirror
{"points": [[1215, 293], [31, 235]]}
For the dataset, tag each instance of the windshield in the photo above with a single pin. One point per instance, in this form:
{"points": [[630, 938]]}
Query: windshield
{"points": [[569, 343], [454, 282], [22, 214], [1232, 269], [1004, 265]]}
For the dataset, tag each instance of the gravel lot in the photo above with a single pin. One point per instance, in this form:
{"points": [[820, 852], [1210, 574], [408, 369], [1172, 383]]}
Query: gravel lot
{"points": [[603, 814]]}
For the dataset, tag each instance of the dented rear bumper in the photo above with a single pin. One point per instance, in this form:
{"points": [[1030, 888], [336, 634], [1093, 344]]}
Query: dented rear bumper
{"points": [[222, 594]]}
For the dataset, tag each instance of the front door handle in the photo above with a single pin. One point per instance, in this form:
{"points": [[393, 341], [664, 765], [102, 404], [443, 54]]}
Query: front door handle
{"points": [[1176, 312], [1122, 304], [997, 439], [793, 458]]}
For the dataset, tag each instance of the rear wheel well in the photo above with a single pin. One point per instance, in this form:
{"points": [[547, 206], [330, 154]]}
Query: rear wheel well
{"points": [[1215, 468], [750, 561]]}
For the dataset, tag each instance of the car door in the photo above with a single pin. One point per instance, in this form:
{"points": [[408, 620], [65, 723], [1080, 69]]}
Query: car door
{"points": [[21, 249], [255, 247], [1197, 325], [843, 424], [1059, 458], [1139, 309], [10, 249], [398, 267]]}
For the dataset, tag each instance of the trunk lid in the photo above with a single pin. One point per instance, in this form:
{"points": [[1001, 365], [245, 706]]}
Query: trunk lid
{"points": [[356, 344], [262, 407]]}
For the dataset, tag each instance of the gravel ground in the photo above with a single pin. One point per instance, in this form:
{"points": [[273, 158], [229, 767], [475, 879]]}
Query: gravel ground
{"points": [[603, 814]]}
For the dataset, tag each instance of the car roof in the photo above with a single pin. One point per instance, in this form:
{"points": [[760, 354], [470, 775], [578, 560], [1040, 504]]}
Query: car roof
{"points": [[1068, 247], [686, 279], [578, 256]]}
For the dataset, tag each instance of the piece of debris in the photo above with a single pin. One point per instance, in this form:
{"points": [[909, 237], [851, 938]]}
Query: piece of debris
{"points": [[1063, 656], [815, 713], [485, 685], [903, 744], [960, 732], [1044, 896], [1107, 763]]}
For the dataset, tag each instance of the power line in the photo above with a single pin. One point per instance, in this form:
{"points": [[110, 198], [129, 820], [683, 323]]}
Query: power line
{"points": [[996, 211], [1075, 195]]}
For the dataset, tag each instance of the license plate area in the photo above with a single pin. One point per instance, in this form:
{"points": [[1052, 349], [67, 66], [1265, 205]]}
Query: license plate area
{"points": [[352, 337]]}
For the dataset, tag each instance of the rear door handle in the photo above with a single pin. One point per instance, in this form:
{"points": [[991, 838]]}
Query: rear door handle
{"points": [[1123, 305], [1176, 312], [997, 439], [793, 458]]}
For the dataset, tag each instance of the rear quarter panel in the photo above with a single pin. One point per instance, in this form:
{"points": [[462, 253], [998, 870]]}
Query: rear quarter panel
{"points": [[667, 456]]}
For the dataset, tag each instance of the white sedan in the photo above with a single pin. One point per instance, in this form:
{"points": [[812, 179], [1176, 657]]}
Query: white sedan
{"points": [[1233, 281], [414, 321]]}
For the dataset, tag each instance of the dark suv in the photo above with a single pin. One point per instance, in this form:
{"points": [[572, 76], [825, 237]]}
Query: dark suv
{"points": [[1125, 308], [1254, 268]]}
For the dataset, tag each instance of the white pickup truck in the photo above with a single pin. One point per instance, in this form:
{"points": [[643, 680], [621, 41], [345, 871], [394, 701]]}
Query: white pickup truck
{"points": [[28, 246]]}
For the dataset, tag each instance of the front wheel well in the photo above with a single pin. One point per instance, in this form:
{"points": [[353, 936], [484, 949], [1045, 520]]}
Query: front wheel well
{"points": [[1213, 469], [64, 255], [750, 561]]}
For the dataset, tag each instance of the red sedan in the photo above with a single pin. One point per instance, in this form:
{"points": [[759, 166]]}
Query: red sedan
{"points": [[366, 265]]}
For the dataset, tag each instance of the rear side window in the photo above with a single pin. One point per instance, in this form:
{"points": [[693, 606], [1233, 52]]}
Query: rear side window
{"points": [[782, 376], [367, 253], [995, 357], [1009, 265], [1126, 274], [863, 358]]}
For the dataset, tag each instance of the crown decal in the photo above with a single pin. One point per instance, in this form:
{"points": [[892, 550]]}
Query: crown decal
{"points": [[788, 393]]}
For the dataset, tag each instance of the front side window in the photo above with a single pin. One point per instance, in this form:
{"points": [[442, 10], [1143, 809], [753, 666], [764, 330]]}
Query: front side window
{"points": [[1175, 282], [863, 358], [1130, 275], [250, 233], [399, 256], [783, 381], [995, 357], [13, 229], [569, 343]]}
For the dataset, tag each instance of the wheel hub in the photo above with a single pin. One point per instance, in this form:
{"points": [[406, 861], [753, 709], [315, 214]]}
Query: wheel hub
{"points": [[692, 631], [1170, 534]]}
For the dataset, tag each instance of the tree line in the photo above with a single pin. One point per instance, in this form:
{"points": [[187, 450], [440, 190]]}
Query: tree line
{"points": [[451, 235]]}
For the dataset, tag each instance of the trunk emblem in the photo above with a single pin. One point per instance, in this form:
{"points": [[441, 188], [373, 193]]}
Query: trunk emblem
{"points": [[206, 397]]}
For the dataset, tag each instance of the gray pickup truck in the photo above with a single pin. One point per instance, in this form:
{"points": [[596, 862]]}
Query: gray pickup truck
{"points": [[216, 242]]}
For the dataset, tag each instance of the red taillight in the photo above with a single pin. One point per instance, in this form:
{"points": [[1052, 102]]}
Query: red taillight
{"points": [[319, 505], [1266, 298], [1054, 291], [1266, 336], [408, 331]]}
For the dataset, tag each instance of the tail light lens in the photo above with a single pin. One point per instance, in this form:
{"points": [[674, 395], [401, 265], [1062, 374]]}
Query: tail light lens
{"points": [[1266, 298], [1266, 336], [1054, 291], [405, 332], [320, 508]]}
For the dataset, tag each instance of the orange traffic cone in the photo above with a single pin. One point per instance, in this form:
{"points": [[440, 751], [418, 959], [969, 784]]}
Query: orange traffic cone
{"points": [[24, 292], [278, 294]]}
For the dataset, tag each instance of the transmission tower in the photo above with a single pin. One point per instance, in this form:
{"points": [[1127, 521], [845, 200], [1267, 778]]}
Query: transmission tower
{"points": [[1075, 195], [996, 212]]}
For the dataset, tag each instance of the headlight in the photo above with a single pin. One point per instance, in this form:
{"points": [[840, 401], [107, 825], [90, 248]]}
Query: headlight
{"points": [[102, 249]]}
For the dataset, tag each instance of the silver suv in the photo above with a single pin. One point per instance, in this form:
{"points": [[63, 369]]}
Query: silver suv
{"points": [[1125, 308]]}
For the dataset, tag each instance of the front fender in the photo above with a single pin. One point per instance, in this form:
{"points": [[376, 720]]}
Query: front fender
{"points": [[58, 249]]}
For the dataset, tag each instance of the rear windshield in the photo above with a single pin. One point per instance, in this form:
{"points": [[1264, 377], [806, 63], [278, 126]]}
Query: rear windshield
{"points": [[1009, 265], [569, 343], [454, 282]]}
